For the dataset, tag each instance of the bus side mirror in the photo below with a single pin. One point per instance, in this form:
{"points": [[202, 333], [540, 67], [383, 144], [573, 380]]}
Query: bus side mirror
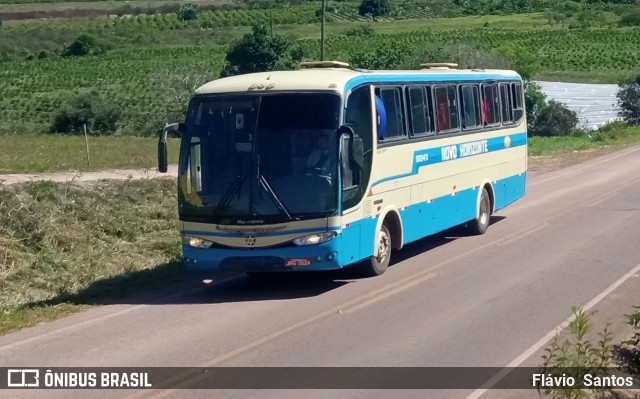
{"points": [[163, 161], [356, 148]]}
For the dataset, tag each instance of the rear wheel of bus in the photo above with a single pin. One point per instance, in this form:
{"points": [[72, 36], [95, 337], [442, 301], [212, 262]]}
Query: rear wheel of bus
{"points": [[378, 264], [481, 223]]}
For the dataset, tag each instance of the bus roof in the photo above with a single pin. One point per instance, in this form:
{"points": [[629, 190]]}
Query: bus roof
{"points": [[342, 79]]}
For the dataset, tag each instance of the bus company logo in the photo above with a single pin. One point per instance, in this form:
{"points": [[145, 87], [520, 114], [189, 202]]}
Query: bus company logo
{"points": [[251, 241], [19, 378], [507, 142]]}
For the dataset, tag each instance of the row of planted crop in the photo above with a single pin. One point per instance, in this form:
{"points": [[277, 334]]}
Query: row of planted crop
{"points": [[133, 79]]}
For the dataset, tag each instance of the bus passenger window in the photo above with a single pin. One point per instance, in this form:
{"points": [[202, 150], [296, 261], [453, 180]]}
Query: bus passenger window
{"points": [[454, 114], [392, 99], [470, 107], [506, 105], [442, 108], [516, 95], [447, 108], [420, 111], [490, 105]]}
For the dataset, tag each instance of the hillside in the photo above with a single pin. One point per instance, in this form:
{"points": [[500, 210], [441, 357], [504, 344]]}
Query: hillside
{"points": [[145, 65]]}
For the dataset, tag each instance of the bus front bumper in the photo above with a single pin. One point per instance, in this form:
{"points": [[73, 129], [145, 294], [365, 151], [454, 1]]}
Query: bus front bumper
{"points": [[279, 259]]}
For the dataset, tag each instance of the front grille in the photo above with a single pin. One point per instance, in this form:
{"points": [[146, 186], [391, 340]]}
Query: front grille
{"points": [[253, 264], [251, 230]]}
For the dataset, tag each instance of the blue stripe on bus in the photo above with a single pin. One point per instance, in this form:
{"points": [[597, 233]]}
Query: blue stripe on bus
{"points": [[428, 217], [434, 155], [275, 233], [426, 78]]}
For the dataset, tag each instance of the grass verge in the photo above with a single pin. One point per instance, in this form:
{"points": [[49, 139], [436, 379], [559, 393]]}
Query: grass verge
{"points": [[64, 247], [51, 153], [614, 135]]}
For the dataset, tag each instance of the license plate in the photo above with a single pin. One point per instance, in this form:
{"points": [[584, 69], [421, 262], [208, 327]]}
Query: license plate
{"points": [[297, 262]]}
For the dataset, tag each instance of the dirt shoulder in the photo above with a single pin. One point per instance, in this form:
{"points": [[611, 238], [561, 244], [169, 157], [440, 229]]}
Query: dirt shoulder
{"points": [[79, 177], [546, 163]]}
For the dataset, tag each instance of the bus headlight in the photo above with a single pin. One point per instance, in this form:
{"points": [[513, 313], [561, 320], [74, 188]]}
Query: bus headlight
{"points": [[196, 242], [317, 238]]}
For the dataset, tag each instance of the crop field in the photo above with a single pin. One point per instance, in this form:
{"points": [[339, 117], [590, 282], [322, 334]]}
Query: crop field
{"points": [[147, 54], [132, 79]]}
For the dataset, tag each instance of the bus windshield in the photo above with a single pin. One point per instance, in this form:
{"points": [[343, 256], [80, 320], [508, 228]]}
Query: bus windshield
{"points": [[259, 158]]}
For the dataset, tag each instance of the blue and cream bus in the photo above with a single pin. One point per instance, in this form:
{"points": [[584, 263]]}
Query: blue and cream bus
{"points": [[327, 166]]}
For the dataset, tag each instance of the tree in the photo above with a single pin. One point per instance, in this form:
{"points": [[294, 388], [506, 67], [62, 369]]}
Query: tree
{"points": [[259, 52], [629, 101], [525, 62], [377, 8], [88, 109], [187, 12]]}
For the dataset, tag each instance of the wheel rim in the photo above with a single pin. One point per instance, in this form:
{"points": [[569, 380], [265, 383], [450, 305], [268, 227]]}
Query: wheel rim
{"points": [[484, 211], [384, 246]]}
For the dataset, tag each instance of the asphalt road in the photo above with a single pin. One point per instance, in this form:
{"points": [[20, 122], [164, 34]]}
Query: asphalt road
{"points": [[449, 300]]}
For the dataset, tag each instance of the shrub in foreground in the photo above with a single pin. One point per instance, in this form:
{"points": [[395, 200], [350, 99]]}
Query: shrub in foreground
{"points": [[88, 109], [629, 101]]}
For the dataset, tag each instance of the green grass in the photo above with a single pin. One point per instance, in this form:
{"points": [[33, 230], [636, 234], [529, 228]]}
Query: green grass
{"points": [[51, 153], [615, 135], [64, 248]]}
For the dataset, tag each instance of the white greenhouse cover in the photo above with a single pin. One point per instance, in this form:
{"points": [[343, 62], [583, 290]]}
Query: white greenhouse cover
{"points": [[595, 104]]}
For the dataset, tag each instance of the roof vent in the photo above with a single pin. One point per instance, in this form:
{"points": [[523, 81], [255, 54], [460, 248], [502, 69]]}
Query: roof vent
{"points": [[323, 64], [439, 65]]}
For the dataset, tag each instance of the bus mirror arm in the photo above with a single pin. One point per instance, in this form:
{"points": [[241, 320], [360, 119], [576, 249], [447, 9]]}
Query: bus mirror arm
{"points": [[163, 162]]}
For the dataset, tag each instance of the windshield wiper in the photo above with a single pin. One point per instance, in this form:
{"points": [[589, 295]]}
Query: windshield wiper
{"points": [[264, 184], [233, 189]]}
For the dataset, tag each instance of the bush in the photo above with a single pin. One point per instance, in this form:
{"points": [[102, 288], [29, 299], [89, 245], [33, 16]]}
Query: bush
{"points": [[376, 8], [631, 19], [187, 12], [547, 118], [362, 30], [86, 109], [629, 101], [577, 356], [634, 358], [555, 120], [534, 101], [83, 45]]}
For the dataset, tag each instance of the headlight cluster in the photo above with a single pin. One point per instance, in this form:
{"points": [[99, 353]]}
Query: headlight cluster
{"points": [[196, 242], [317, 238]]}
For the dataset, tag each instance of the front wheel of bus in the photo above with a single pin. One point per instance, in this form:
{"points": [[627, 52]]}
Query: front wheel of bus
{"points": [[481, 223], [377, 264]]}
